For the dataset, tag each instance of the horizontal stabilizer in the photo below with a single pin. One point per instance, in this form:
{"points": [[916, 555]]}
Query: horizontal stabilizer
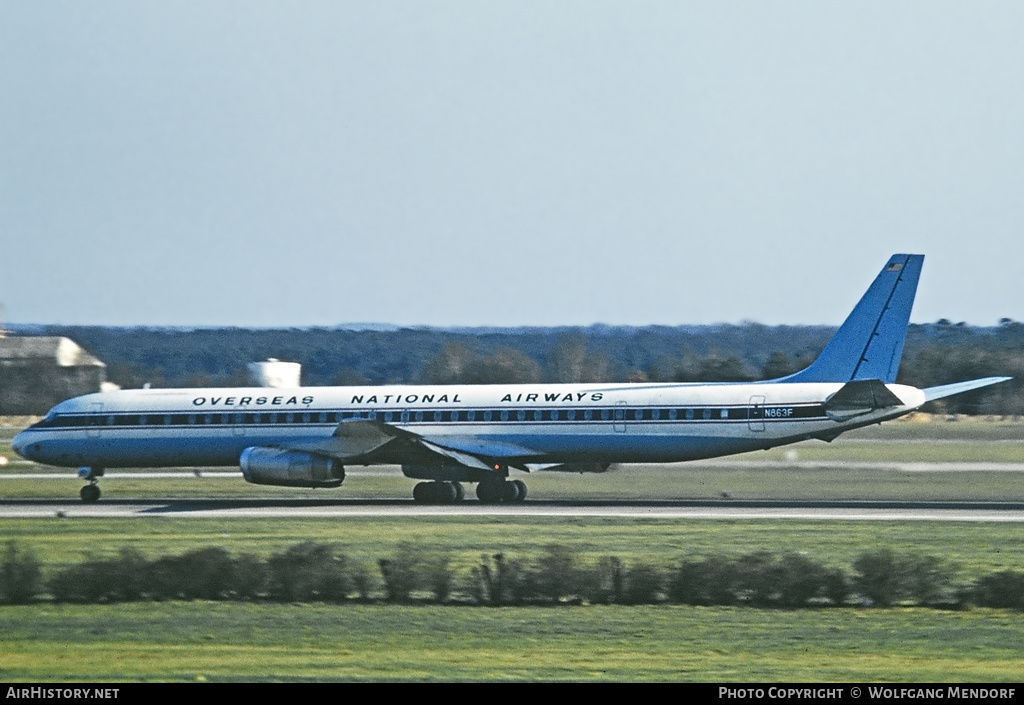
{"points": [[859, 397], [948, 390]]}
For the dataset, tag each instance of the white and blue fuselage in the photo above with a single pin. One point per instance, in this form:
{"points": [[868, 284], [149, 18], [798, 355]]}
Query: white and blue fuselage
{"points": [[555, 424]]}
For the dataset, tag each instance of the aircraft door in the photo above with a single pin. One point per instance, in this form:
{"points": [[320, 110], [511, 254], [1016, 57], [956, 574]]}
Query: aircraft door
{"points": [[95, 422], [619, 417], [755, 418]]}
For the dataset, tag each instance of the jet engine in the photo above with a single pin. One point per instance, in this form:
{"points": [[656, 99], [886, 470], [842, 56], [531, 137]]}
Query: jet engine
{"points": [[289, 468]]}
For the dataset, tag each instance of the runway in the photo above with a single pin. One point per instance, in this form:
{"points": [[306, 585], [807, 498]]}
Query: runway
{"points": [[724, 464], [661, 509]]}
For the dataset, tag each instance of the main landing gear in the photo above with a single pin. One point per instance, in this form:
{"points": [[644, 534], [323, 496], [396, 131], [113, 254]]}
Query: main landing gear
{"points": [[91, 492], [438, 492], [501, 491], [489, 492]]}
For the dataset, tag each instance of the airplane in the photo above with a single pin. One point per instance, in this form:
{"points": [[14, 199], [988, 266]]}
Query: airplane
{"points": [[450, 435]]}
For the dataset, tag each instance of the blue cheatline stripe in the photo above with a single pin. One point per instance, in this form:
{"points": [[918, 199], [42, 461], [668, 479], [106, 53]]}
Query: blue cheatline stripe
{"points": [[479, 416]]}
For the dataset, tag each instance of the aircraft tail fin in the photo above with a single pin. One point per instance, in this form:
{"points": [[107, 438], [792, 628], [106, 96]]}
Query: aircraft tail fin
{"points": [[869, 344]]}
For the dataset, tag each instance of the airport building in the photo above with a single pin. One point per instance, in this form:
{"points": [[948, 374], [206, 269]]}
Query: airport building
{"points": [[274, 373], [37, 373]]}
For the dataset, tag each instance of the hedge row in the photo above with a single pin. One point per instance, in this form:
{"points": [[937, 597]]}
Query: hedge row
{"points": [[318, 572]]}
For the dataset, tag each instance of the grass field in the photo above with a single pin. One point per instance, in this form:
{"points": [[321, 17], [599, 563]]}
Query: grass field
{"points": [[626, 482], [212, 641], [972, 548], [220, 641]]}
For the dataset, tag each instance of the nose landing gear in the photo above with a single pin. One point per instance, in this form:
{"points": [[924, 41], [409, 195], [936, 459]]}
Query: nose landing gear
{"points": [[91, 492]]}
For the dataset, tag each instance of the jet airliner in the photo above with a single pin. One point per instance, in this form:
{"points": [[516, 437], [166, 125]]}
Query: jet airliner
{"points": [[450, 435]]}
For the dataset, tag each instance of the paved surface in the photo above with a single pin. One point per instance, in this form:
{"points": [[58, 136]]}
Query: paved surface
{"points": [[388, 471], [922, 466], [727, 464], [689, 509]]}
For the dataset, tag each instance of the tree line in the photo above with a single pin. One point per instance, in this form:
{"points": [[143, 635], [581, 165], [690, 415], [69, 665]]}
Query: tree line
{"points": [[935, 353], [319, 572]]}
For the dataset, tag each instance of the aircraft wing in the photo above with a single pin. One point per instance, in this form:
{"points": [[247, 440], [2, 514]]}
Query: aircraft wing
{"points": [[362, 440], [351, 439]]}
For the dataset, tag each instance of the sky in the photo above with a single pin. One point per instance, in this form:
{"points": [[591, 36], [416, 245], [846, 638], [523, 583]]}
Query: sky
{"points": [[491, 163]]}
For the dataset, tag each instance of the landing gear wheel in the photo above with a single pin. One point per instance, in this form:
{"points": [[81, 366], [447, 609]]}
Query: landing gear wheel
{"points": [[522, 490], [444, 493], [509, 492], [421, 492], [438, 492], [90, 493], [490, 492], [460, 492]]}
